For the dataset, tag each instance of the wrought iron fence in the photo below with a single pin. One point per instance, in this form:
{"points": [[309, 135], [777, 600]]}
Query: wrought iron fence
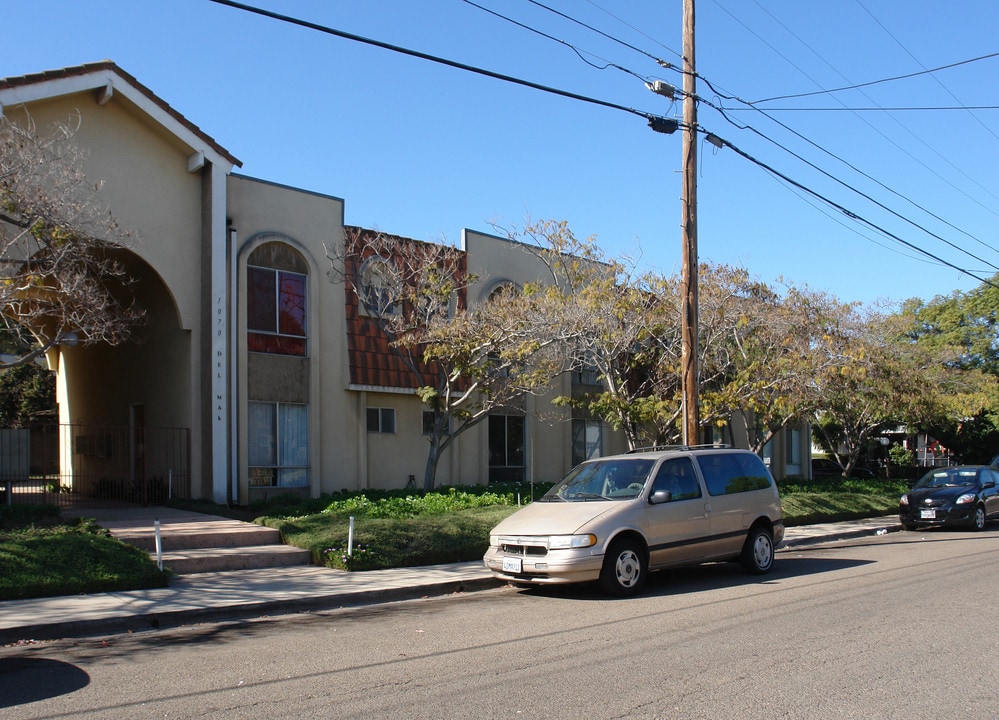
{"points": [[70, 465]]}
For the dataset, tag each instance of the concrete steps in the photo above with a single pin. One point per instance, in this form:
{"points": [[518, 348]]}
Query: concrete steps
{"points": [[224, 559], [194, 543]]}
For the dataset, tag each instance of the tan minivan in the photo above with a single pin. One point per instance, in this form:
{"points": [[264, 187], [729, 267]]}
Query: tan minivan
{"points": [[615, 519]]}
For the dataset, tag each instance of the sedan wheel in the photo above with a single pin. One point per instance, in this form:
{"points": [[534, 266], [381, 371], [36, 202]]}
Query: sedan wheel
{"points": [[978, 519], [624, 569]]}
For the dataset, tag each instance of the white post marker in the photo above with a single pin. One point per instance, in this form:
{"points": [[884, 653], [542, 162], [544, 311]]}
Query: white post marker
{"points": [[159, 546], [350, 538]]}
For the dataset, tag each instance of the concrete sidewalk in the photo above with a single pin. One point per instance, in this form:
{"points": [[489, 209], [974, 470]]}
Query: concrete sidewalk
{"points": [[208, 597]]}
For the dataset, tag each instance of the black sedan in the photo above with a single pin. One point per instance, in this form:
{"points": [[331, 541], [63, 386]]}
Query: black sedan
{"points": [[965, 495]]}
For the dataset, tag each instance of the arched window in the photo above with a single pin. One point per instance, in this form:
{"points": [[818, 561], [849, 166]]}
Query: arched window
{"points": [[276, 300], [379, 287]]}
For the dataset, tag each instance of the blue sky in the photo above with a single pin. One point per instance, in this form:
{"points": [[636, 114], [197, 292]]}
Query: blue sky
{"points": [[423, 150]]}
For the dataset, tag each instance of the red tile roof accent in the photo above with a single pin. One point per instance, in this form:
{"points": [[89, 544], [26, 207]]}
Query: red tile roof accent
{"points": [[373, 361]]}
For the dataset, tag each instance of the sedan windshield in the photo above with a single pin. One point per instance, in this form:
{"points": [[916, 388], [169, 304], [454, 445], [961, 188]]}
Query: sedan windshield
{"points": [[948, 477], [618, 479]]}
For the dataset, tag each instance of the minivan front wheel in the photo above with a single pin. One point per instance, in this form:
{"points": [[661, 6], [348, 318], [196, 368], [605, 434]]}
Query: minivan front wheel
{"points": [[625, 568], [758, 552]]}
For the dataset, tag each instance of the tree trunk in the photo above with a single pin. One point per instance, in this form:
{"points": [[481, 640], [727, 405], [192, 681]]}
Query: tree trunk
{"points": [[430, 474]]}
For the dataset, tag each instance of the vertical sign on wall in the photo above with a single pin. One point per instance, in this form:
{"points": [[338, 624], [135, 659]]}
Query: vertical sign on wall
{"points": [[219, 337]]}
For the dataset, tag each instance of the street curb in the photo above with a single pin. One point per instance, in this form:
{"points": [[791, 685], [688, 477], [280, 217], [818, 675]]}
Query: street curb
{"points": [[845, 535], [146, 622]]}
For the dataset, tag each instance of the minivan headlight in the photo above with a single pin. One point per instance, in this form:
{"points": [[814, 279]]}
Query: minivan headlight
{"points": [[562, 542]]}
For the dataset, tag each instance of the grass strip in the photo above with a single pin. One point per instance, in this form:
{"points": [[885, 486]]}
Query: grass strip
{"points": [[68, 560]]}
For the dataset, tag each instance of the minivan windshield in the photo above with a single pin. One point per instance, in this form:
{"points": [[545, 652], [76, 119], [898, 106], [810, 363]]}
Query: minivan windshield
{"points": [[611, 479]]}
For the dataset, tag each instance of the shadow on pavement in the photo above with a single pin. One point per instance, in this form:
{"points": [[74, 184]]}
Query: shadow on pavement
{"points": [[702, 578], [26, 680]]}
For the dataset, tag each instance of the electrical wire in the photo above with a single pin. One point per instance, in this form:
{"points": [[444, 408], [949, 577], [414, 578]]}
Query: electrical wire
{"points": [[847, 108], [650, 117], [887, 138], [946, 89], [876, 82], [869, 177], [845, 211], [580, 53], [658, 61]]}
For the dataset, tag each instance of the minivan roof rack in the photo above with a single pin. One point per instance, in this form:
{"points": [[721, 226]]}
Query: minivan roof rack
{"points": [[661, 448]]}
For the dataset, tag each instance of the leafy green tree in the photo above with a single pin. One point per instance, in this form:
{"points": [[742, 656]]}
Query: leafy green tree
{"points": [[968, 322], [967, 326], [607, 323], [879, 378], [763, 351], [27, 392]]}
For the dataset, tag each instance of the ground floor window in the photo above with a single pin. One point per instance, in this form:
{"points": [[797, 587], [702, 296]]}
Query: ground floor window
{"points": [[587, 438], [279, 444], [506, 448], [381, 420]]}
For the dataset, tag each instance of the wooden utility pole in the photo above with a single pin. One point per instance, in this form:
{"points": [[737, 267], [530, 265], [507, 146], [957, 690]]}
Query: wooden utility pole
{"points": [[688, 219]]}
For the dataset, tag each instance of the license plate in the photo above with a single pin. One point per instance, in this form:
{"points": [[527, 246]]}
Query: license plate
{"points": [[512, 565], [928, 514]]}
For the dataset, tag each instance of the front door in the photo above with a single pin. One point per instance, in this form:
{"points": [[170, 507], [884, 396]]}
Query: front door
{"points": [[677, 527]]}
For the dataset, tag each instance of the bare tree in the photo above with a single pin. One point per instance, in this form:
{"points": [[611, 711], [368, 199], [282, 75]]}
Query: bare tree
{"points": [[613, 326], [462, 362], [59, 273]]}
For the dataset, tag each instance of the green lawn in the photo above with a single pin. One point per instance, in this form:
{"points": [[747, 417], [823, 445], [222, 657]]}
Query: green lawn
{"points": [[42, 556]]}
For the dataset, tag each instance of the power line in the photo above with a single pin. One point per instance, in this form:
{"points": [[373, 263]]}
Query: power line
{"points": [[640, 32], [661, 62], [946, 89], [849, 213], [654, 120], [579, 53], [863, 174], [876, 82], [888, 139], [869, 109]]}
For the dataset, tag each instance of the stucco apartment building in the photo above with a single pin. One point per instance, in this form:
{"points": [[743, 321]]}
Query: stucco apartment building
{"points": [[249, 349], [247, 344]]}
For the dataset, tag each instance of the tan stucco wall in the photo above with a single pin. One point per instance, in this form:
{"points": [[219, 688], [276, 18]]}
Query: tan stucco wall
{"points": [[262, 212], [146, 185]]}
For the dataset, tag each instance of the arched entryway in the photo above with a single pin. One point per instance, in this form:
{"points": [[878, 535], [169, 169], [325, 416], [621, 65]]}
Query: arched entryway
{"points": [[125, 411]]}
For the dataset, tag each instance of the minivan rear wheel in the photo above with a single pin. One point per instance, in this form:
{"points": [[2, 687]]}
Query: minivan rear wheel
{"points": [[625, 568], [758, 553]]}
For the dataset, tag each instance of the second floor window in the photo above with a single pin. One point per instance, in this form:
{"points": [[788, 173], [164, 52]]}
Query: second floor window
{"points": [[276, 311]]}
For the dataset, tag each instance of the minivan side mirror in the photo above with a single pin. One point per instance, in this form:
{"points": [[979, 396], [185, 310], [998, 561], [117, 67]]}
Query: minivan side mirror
{"points": [[660, 496]]}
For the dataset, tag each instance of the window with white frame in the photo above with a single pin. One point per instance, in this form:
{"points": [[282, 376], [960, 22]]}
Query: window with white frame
{"points": [[381, 420], [278, 453]]}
